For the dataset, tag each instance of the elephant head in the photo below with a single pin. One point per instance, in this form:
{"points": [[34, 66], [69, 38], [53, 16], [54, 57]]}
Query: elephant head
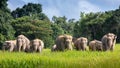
{"points": [[83, 41]]}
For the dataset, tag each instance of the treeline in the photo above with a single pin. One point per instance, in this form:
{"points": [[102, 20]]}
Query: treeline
{"points": [[33, 23], [95, 25]]}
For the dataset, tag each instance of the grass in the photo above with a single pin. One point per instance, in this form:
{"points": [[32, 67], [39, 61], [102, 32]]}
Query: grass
{"points": [[68, 59]]}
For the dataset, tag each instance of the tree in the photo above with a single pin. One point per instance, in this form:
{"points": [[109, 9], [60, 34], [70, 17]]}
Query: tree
{"points": [[112, 24], [6, 29], [34, 28], [91, 25], [27, 10], [30, 10], [67, 26], [3, 6], [57, 30]]}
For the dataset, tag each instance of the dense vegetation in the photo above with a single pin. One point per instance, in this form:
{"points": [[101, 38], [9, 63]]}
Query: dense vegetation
{"points": [[68, 59], [33, 23]]}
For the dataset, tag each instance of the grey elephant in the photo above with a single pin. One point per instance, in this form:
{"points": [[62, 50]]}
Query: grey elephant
{"points": [[95, 45], [9, 45], [63, 42], [37, 45], [81, 43], [53, 48], [109, 41], [23, 43]]}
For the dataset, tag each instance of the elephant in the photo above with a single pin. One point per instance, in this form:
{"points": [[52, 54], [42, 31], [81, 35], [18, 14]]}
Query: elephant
{"points": [[81, 43], [64, 42], [95, 45], [23, 43], [53, 48], [9, 45], [109, 41], [37, 45]]}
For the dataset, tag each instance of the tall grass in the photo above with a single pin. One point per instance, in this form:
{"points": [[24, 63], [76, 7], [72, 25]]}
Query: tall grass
{"points": [[68, 59]]}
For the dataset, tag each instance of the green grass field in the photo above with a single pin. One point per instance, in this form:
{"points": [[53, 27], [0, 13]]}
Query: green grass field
{"points": [[68, 59]]}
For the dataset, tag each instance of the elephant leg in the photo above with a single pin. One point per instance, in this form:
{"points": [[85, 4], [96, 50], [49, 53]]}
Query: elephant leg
{"points": [[94, 48], [105, 48], [83, 48], [11, 48], [15, 48], [35, 48], [24, 48], [70, 47], [79, 48], [19, 48], [40, 49], [32, 49], [53, 48], [27, 49], [108, 47], [112, 47], [62, 47], [90, 48]]}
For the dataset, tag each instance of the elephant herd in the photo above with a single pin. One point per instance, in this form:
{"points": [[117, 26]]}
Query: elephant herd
{"points": [[67, 42], [62, 43], [22, 43]]}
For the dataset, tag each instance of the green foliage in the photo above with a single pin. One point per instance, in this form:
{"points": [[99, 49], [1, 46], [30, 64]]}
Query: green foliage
{"points": [[6, 29], [27, 10], [57, 30], [3, 6], [91, 25], [61, 22], [30, 21], [112, 24], [68, 59], [33, 28]]}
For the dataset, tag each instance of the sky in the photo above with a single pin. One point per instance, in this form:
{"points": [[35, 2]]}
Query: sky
{"points": [[69, 8]]}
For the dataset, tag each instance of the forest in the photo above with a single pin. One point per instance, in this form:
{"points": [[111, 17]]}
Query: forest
{"points": [[31, 21]]}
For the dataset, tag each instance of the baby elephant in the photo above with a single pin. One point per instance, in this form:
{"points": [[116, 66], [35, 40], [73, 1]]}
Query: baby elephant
{"points": [[37, 45], [53, 48], [81, 43], [9, 45], [95, 45]]}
